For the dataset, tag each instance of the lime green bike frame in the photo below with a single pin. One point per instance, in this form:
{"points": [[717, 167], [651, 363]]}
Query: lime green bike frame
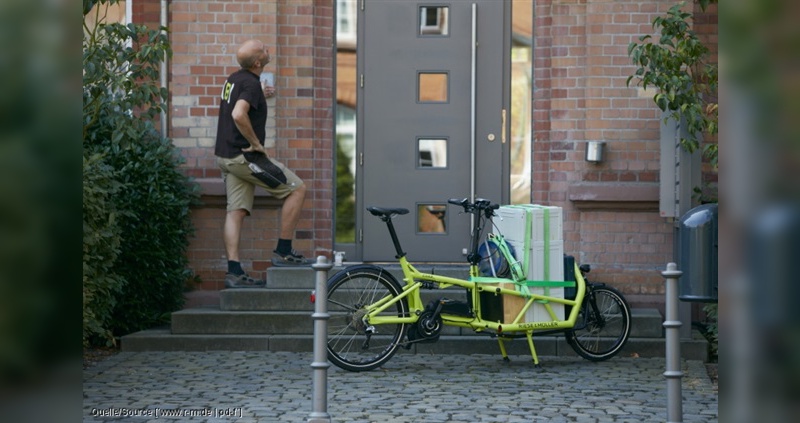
{"points": [[414, 280]]}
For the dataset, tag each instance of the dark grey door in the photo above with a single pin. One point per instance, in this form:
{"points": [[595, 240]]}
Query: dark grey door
{"points": [[432, 107]]}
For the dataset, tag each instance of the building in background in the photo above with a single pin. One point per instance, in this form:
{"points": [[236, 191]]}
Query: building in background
{"points": [[562, 84]]}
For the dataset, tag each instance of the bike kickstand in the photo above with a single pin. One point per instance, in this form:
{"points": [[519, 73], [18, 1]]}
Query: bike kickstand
{"points": [[533, 349], [503, 349]]}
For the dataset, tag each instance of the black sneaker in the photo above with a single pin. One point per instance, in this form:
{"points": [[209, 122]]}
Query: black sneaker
{"points": [[293, 258], [243, 281]]}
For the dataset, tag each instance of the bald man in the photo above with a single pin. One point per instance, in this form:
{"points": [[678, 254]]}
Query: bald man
{"points": [[245, 164]]}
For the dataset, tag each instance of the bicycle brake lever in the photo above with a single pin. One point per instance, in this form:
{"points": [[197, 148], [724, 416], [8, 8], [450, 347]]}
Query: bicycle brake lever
{"points": [[490, 210], [464, 202]]}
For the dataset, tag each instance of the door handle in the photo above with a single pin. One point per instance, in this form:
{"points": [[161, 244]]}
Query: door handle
{"points": [[503, 126]]}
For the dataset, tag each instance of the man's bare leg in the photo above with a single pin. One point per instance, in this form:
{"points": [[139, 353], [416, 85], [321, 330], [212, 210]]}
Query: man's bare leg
{"points": [[290, 212], [236, 276], [290, 216], [232, 231]]}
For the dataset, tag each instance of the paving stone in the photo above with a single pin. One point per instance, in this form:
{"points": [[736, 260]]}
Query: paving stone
{"points": [[277, 387]]}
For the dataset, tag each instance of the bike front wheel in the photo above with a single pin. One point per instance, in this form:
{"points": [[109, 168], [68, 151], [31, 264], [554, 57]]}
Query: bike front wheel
{"points": [[353, 344], [603, 325]]}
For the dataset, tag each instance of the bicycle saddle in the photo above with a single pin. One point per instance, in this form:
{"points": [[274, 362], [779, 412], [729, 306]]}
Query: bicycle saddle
{"points": [[387, 212]]}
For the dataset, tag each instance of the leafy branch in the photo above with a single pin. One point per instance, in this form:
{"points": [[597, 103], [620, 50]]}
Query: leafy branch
{"points": [[120, 71], [676, 64]]}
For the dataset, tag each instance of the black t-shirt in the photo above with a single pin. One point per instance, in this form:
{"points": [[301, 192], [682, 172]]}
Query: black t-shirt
{"points": [[241, 85]]}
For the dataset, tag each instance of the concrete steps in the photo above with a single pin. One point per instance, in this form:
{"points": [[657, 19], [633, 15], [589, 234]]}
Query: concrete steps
{"points": [[278, 318]]}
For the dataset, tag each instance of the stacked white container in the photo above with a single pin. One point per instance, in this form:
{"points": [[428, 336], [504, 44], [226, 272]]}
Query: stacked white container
{"points": [[536, 234]]}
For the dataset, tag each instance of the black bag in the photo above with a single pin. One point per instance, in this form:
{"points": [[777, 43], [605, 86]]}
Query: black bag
{"points": [[263, 169]]}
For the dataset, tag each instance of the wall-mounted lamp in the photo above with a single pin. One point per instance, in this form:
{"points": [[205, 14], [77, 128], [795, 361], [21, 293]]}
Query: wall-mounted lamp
{"points": [[594, 151]]}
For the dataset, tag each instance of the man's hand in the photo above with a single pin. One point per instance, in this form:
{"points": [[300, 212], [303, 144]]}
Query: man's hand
{"points": [[243, 124], [252, 148], [269, 91]]}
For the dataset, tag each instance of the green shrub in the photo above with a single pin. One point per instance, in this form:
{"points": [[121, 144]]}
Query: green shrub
{"points": [[155, 231], [345, 202], [712, 330], [101, 247], [139, 200]]}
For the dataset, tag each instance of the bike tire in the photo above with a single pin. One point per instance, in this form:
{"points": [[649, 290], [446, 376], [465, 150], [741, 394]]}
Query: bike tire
{"points": [[349, 345], [600, 334]]}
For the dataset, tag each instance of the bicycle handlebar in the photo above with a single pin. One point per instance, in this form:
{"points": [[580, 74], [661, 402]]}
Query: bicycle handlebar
{"points": [[480, 205]]}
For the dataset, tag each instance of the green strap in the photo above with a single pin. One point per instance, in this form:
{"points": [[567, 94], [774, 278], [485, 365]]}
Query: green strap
{"points": [[526, 247], [517, 271], [522, 286], [528, 225], [486, 279], [551, 284], [547, 243], [535, 284]]}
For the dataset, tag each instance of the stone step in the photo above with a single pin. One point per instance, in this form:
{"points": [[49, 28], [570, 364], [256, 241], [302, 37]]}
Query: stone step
{"points": [[646, 323], [164, 340], [211, 321], [279, 299]]}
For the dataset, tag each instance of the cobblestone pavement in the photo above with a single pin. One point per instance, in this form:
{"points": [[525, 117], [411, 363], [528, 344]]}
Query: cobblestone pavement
{"points": [[276, 387]]}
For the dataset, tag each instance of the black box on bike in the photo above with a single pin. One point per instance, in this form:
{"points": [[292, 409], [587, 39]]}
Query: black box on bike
{"points": [[569, 275], [491, 307], [570, 292]]}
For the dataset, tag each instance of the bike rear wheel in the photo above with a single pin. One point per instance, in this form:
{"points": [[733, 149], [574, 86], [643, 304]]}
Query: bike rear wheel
{"points": [[603, 325], [352, 344]]}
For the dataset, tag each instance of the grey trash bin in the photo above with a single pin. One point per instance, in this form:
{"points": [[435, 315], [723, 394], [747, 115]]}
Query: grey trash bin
{"points": [[697, 254]]}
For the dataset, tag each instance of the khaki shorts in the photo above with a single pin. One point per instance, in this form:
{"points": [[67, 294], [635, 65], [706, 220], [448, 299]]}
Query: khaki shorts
{"points": [[240, 184]]}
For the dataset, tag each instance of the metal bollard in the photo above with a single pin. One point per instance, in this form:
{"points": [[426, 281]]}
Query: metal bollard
{"points": [[672, 332], [319, 395]]}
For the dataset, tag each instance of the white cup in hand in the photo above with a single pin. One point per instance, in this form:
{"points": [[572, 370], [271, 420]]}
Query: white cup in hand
{"points": [[267, 79], [268, 83]]}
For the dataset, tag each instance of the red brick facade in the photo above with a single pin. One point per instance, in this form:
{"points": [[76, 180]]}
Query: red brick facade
{"points": [[580, 69]]}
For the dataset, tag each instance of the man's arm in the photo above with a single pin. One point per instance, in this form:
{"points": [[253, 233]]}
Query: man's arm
{"points": [[245, 127]]}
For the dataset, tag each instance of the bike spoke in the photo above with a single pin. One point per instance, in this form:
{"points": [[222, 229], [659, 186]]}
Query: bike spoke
{"points": [[342, 305]]}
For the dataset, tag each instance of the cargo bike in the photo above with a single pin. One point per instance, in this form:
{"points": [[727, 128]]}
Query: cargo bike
{"points": [[372, 314]]}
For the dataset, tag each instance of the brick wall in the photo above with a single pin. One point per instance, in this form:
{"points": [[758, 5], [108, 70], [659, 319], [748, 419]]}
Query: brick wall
{"points": [[580, 69]]}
